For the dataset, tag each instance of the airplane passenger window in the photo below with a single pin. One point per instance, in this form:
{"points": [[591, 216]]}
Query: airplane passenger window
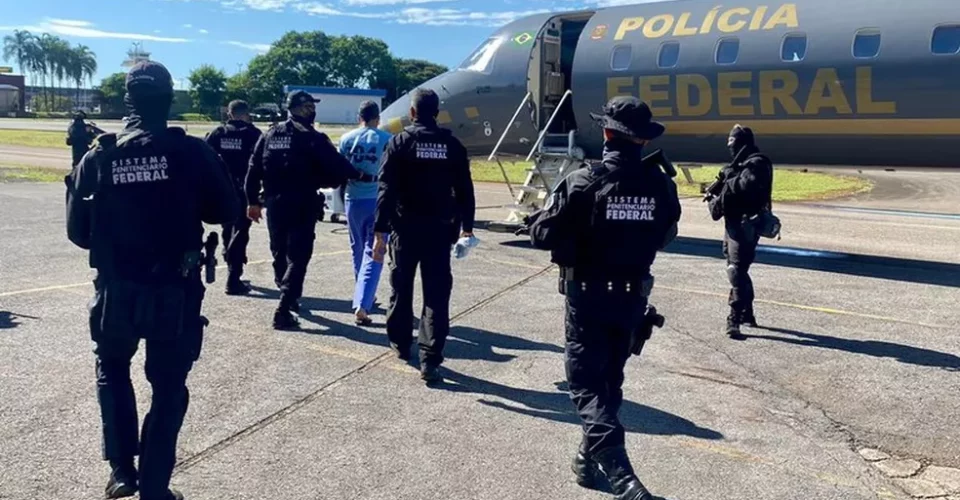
{"points": [[794, 48], [946, 40], [669, 55], [866, 44], [728, 50], [480, 59], [621, 57]]}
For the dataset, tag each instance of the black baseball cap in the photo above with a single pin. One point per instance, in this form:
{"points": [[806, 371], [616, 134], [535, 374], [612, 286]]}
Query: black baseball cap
{"points": [[629, 116], [369, 110], [149, 77], [238, 107], [299, 97]]}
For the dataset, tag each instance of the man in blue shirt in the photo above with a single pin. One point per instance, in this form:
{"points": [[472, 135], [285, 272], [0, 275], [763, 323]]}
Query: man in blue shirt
{"points": [[364, 148]]}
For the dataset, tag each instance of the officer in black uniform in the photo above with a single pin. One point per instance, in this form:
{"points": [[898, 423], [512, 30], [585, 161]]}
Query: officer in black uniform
{"points": [[234, 141], [604, 226], [747, 185], [292, 161], [136, 201], [425, 202], [80, 135]]}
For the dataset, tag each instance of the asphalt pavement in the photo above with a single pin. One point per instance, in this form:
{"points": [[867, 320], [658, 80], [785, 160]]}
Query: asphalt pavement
{"points": [[849, 391]]}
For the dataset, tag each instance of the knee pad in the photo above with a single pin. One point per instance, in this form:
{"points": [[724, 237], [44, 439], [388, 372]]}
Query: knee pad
{"points": [[732, 274]]}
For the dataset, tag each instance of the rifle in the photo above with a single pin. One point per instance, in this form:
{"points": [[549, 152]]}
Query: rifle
{"points": [[641, 335], [659, 158], [714, 190], [209, 258]]}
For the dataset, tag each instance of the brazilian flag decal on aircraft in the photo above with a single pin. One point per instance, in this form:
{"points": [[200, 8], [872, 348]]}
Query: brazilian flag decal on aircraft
{"points": [[523, 38]]}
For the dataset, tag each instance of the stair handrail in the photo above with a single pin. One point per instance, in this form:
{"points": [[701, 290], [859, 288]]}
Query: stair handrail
{"points": [[506, 129], [543, 133]]}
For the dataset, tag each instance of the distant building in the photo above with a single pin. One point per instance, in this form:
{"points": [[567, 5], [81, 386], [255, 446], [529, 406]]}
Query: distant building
{"points": [[339, 105], [85, 99], [12, 95]]}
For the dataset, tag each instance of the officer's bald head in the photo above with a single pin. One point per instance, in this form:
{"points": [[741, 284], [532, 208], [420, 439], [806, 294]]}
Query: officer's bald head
{"points": [[424, 103]]}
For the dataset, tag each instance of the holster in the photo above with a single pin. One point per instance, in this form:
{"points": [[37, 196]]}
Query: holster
{"points": [[640, 336], [145, 311]]}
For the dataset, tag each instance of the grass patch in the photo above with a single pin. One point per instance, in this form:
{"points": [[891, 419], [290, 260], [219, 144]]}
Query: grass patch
{"points": [[788, 185], [31, 174], [489, 171], [34, 138]]}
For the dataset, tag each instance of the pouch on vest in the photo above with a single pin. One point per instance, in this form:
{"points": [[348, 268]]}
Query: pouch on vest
{"points": [[134, 310]]}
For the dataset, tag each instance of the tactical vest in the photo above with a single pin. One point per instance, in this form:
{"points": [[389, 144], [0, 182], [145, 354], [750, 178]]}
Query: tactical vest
{"points": [[427, 178], [235, 146], [627, 224], [289, 169], [146, 206]]}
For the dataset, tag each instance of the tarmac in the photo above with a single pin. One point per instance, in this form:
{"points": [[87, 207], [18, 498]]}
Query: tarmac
{"points": [[849, 390]]}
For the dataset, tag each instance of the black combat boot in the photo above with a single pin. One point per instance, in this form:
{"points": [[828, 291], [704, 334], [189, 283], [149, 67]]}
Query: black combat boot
{"points": [[588, 472], [123, 479], [624, 484], [733, 326], [284, 320], [171, 494], [748, 318], [430, 373], [235, 286]]}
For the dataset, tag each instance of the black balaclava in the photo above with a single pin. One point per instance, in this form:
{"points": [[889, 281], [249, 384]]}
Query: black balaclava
{"points": [[149, 96], [306, 121], [740, 137]]}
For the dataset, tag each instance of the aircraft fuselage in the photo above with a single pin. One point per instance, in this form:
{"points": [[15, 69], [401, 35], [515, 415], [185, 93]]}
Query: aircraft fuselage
{"points": [[821, 82]]}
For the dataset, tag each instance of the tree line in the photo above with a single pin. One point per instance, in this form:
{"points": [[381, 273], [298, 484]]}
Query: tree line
{"points": [[297, 58], [50, 59], [310, 58]]}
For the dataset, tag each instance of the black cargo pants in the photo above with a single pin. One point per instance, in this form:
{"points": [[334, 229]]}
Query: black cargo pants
{"points": [[429, 248], [740, 241], [599, 325], [168, 363], [292, 226], [236, 237]]}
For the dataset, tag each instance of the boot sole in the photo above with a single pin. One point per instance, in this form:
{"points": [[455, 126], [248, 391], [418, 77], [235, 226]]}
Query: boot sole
{"points": [[592, 481], [120, 492]]}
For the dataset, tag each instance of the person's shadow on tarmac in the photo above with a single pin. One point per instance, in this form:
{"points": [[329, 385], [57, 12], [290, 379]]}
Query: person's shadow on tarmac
{"points": [[902, 353], [462, 342]]}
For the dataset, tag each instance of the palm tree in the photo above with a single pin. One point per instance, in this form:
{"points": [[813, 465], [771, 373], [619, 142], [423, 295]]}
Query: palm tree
{"points": [[82, 66], [16, 47]]}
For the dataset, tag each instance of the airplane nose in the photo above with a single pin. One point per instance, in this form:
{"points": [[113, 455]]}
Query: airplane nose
{"points": [[391, 119]]}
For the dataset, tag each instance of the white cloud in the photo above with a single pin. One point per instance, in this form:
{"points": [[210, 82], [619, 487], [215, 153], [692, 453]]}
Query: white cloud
{"points": [[204, 32], [390, 2], [187, 26], [258, 47], [319, 9], [455, 17], [257, 4], [83, 29], [70, 22]]}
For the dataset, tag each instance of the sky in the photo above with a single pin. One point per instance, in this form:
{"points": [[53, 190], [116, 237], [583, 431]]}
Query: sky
{"points": [[183, 34]]}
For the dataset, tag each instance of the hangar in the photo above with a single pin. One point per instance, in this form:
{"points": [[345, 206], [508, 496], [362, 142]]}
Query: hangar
{"points": [[339, 105]]}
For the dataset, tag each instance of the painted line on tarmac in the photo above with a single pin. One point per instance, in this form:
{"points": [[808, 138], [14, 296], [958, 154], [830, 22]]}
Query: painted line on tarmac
{"points": [[891, 211], [826, 310], [86, 283]]}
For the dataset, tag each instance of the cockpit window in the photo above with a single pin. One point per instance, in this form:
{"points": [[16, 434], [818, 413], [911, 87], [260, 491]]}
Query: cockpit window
{"points": [[481, 58]]}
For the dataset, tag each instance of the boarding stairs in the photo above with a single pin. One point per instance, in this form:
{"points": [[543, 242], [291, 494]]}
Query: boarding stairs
{"points": [[554, 157]]}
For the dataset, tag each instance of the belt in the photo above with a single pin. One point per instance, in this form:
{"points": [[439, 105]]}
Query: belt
{"points": [[642, 287]]}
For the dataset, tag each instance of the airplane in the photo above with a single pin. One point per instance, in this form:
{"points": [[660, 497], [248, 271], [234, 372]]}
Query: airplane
{"points": [[826, 83]]}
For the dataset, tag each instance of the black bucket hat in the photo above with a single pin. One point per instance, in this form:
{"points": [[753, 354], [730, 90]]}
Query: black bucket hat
{"points": [[629, 116]]}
